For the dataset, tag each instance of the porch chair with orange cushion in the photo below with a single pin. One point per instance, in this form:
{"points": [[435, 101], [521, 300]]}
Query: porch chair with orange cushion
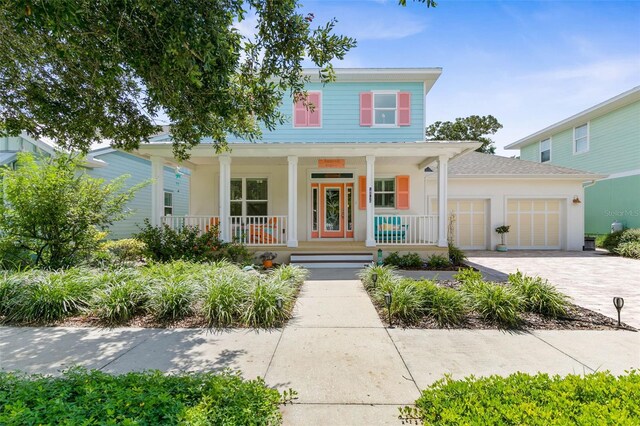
{"points": [[264, 233], [214, 222]]}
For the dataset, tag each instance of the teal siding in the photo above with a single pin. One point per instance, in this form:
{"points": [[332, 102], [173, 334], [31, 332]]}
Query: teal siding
{"points": [[120, 163], [341, 116], [19, 144], [612, 199], [531, 152]]}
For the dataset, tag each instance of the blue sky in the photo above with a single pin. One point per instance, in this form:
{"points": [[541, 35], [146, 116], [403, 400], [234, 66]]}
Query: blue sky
{"points": [[528, 63]]}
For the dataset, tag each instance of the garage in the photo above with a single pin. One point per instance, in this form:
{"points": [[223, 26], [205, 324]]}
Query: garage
{"points": [[468, 217], [535, 224]]}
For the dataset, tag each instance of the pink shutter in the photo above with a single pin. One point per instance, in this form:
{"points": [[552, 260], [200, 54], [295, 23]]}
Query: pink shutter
{"points": [[404, 108], [314, 116], [366, 109], [300, 114]]}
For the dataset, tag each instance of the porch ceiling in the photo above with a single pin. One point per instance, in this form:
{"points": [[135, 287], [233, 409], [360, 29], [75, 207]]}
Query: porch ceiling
{"points": [[419, 153]]}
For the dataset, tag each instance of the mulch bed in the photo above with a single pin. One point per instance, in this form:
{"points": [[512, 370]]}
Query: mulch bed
{"points": [[578, 318]]}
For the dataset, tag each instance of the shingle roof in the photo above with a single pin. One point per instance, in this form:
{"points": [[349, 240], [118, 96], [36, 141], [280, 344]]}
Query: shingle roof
{"points": [[477, 163]]}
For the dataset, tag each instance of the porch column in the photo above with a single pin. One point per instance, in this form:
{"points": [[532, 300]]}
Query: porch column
{"points": [[443, 162], [371, 160], [225, 197], [157, 190], [292, 213]]}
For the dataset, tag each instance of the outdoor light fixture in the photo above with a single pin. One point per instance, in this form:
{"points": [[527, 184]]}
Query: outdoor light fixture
{"points": [[279, 302], [576, 200], [618, 302], [374, 278], [387, 300]]}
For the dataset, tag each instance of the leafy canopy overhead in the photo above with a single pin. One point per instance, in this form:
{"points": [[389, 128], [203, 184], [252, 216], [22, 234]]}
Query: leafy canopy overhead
{"points": [[472, 128], [81, 71]]}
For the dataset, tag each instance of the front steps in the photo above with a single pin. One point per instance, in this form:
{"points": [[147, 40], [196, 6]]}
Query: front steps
{"points": [[331, 260]]}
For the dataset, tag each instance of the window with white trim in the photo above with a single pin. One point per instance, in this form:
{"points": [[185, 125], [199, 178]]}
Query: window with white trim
{"points": [[384, 192], [545, 150], [168, 203], [581, 139], [249, 197], [384, 109]]}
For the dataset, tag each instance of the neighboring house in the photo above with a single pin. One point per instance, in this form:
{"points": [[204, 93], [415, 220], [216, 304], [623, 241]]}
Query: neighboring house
{"points": [[10, 146], [175, 189], [603, 139], [355, 174]]}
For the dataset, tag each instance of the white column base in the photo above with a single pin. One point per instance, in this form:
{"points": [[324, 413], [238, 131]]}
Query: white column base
{"points": [[292, 194], [370, 243], [292, 243]]}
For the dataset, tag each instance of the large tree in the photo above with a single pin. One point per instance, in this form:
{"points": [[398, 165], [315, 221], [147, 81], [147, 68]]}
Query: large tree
{"points": [[472, 128], [81, 71]]}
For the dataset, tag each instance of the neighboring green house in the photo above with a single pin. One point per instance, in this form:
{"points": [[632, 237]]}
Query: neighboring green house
{"points": [[10, 146], [176, 188], [603, 139]]}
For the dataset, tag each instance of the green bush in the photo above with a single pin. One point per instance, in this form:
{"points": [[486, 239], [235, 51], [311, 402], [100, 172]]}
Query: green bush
{"points": [[170, 300], [223, 295], [293, 274], [456, 256], [447, 306], [521, 399], [468, 275], [405, 299], [14, 257], [387, 275], [260, 307], [630, 236], [119, 296], [393, 259], [437, 261], [494, 302], [146, 398], [125, 250], [629, 249], [406, 261], [539, 296], [612, 240]]}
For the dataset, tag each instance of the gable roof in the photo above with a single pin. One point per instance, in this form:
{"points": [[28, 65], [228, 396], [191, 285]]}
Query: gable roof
{"points": [[477, 164], [623, 99]]}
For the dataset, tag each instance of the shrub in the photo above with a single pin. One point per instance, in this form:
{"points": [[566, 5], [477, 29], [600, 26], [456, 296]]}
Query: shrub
{"points": [[406, 303], [437, 261], [223, 295], [521, 399], [539, 296], [612, 240], [386, 276], [260, 309], [447, 306], [292, 274], [494, 302], [170, 300], [629, 249], [119, 296], [456, 256], [14, 257], [393, 259], [125, 250], [406, 261], [630, 236], [468, 275], [150, 398]]}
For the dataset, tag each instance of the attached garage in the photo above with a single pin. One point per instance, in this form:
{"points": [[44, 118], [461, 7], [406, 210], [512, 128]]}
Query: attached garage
{"points": [[535, 223], [468, 221]]}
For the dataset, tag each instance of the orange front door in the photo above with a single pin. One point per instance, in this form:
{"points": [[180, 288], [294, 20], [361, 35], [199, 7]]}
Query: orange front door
{"points": [[335, 212]]}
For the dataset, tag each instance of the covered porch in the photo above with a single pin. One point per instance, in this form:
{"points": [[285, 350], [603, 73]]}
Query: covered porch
{"points": [[314, 195]]}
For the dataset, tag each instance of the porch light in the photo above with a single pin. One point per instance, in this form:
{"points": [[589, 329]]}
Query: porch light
{"points": [[618, 302], [576, 200], [279, 302], [387, 300], [428, 170], [374, 278]]}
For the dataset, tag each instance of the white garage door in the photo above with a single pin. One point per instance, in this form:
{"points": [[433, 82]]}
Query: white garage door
{"points": [[535, 224], [469, 221]]}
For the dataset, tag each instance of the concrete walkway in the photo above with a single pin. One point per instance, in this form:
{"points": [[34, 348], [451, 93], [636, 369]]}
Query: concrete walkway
{"points": [[591, 278], [346, 367]]}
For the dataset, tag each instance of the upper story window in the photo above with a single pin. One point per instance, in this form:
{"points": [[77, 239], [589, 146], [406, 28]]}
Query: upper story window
{"points": [[168, 203], [545, 150], [385, 109], [249, 197], [308, 112], [581, 139]]}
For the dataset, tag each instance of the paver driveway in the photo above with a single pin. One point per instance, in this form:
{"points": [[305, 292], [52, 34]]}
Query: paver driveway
{"points": [[592, 279]]}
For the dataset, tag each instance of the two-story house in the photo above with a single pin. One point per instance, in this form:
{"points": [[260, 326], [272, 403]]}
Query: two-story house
{"points": [[356, 174], [604, 139]]}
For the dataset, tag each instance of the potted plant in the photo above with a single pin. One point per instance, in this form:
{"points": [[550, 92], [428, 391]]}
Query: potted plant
{"points": [[502, 230], [267, 259]]}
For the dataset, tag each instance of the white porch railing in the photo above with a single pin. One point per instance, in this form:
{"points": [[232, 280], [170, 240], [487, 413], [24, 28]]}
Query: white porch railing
{"points": [[204, 223], [259, 230], [406, 229]]}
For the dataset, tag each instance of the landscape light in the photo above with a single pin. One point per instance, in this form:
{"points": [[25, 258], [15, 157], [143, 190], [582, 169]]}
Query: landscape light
{"points": [[279, 302], [374, 278], [618, 302], [387, 300]]}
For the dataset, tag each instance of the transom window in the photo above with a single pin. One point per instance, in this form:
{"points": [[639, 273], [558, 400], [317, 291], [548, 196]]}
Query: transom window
{"points": [[249, 197], [581, 139], [545, 150], [384, 109], [384, 192], [168, 203]]}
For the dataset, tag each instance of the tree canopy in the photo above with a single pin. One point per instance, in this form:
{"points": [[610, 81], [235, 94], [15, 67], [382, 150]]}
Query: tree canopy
{"points": [[472, 128], [81, 71]]}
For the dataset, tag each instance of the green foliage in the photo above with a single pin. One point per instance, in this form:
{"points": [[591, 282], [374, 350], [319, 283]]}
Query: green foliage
{"points": [[521, 399], [223, 296], [55, 211], [624, 243], [629, 249], [125, 250], [386, 276], [456, 256], [260, 308], [170, 300], [150, 398], [468, 275], [472, 128], [119, 296], [447, 306], [539, 296], [292, 274], [494, 302], [438, 261], [406, 261], [208, 78], [12, 256], [612, 240], [405, 300]]}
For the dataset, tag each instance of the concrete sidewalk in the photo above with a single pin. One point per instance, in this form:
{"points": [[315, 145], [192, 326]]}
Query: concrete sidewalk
{"points": [[346, 367]]}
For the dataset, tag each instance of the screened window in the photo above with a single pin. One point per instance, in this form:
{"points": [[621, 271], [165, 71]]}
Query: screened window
{"points": [[545, 150], [249, 197], [384, 109], [581, 139], [168, 203], [384, 192]]}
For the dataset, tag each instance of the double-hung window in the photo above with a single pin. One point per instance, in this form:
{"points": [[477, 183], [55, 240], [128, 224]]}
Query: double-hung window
{"points": [[384, 109], [384, 192], [249, 197], [545, 150], [168, 203], [581, 139]]}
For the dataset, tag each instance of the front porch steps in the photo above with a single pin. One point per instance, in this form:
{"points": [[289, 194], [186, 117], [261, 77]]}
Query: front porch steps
{"points": [[331, 260]]}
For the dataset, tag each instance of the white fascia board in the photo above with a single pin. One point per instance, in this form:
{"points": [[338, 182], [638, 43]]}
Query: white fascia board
{"points": [[581, 177]]}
